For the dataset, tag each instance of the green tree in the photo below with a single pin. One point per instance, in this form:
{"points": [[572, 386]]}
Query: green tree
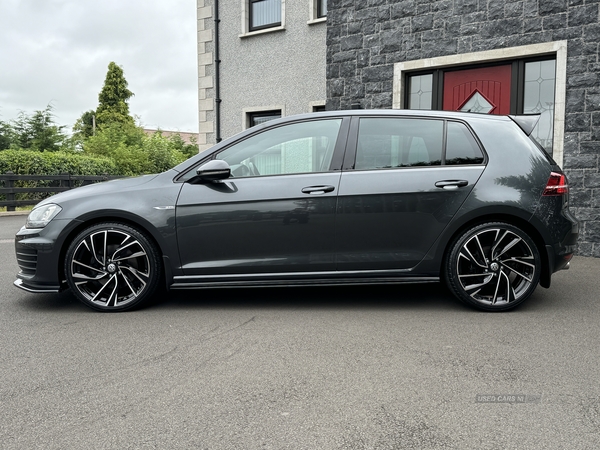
{"points": [[118, 138], [6, 135], [113, 98], [164, 153], [177, 143], [123, 143], [134, 152], [37, 132], [85, 125]]}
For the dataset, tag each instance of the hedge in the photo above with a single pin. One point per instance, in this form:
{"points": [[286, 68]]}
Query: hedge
{"points": [[30, 162]]}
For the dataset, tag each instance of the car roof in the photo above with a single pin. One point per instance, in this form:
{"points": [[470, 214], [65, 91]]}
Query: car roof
{"points": [[393, 112]]}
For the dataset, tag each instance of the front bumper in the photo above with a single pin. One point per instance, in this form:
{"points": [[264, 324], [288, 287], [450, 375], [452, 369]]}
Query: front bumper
{"points": [[21, 284], [38, 254]]}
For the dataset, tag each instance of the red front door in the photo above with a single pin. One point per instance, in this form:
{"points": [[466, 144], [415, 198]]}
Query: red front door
{"points": [[485, 90]]}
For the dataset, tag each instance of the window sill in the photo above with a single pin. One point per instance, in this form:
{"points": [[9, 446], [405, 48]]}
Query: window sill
{"points": [[318, 20], [266, 30]]}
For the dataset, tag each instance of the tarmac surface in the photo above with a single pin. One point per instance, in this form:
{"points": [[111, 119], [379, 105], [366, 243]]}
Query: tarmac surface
{"points": [[375, 367]]}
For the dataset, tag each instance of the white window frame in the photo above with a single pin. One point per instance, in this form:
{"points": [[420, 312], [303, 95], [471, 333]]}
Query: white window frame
{"points": [[557, 48], [312, 104], [313, 13], [245, 7]]}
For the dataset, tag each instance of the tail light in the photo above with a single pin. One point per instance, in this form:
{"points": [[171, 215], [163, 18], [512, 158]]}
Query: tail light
{"points": [[557, 184]]}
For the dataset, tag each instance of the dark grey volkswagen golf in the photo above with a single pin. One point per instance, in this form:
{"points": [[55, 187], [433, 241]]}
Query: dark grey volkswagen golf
{"points": [[326, 198]]}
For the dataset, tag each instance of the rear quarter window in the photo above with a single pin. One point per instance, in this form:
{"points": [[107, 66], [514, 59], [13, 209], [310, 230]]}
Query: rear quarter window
{"points": [[461, 146]]}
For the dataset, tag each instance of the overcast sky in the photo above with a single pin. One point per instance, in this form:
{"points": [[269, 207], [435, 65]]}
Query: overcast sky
{"points": [[57, 51]]}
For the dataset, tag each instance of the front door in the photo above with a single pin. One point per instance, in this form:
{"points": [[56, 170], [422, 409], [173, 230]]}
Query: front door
{"points": [[484, 90], [276, 214]]}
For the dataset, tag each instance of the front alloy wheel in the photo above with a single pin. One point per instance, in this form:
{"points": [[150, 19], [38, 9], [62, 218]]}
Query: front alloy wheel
{"points": [[112, 267], [493, 267]]}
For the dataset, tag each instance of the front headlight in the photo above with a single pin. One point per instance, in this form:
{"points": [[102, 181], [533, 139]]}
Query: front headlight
{"points": [[41, 216]]}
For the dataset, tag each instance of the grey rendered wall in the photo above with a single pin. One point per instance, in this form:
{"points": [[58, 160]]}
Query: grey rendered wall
{"points": [[282, 69], [366, 37]]}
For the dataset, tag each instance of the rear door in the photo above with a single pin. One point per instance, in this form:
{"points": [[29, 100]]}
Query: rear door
{"points": [[404, 179]]}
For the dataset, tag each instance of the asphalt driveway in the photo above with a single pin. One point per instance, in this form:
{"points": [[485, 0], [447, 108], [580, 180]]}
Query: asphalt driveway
{"points": [[390, 367]]}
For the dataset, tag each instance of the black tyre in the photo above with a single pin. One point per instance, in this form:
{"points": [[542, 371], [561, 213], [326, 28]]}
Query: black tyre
{"points": [[493, 266], [112, 267]]}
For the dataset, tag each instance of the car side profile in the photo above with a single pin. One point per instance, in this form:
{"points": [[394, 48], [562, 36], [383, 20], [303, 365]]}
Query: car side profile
{"points": [[378, 196]]}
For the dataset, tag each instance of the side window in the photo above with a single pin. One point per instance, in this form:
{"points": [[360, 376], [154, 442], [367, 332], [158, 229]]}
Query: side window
{"points": [[399, 142], [294, 148], [461, 147]]}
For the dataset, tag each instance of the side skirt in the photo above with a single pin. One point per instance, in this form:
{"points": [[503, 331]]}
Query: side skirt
{"points": [[296, 279]]}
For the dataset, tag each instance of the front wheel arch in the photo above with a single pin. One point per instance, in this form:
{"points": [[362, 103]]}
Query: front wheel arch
{"points": [[84, 224], [112, 266]]}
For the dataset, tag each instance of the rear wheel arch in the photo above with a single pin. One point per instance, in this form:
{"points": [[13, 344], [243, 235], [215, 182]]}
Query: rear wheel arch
{"points": [[493, 266], [514, 220]]}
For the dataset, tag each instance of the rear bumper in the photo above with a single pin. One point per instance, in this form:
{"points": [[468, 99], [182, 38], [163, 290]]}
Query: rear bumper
{"points": [[563, 251], [560, 253]]}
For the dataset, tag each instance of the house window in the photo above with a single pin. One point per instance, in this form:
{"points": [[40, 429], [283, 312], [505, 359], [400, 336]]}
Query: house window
{"points": [[256, 118], [264, 14], [321, 8], [420, 91], [540, 79]]}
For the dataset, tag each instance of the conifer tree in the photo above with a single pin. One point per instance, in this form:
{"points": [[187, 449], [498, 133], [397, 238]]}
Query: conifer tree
{"points": [[113, 98]]}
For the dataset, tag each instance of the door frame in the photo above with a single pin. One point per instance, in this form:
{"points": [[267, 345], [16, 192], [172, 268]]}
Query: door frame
{"points": [[557, 49]]}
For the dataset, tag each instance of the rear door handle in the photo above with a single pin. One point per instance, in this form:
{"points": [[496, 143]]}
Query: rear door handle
{"points": [[451, 184], [317, 190]]}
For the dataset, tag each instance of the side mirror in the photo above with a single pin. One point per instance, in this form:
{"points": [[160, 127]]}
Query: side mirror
{"points": [[215, 170]]}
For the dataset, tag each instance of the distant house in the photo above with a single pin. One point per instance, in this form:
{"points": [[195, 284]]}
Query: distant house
{"points": [[187, 137]]}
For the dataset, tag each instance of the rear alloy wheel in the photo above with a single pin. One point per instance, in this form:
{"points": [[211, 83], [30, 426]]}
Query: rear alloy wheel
{"points": [[112, 267], [493, 267]]}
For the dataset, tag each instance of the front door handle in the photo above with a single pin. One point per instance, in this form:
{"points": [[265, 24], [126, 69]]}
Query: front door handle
{"points": [[451, 184], [317, 190]]}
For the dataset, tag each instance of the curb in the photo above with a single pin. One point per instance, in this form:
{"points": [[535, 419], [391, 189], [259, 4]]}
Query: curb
{"points": [[14, 213]]}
